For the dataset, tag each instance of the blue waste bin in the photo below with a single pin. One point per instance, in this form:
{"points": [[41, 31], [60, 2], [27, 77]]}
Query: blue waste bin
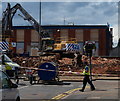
{"points": [[47, 71]]}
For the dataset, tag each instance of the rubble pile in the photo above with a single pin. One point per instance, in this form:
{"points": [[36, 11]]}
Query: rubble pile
{"points": [[104, 65], [32, 61], [66, 61], [99, 65]]}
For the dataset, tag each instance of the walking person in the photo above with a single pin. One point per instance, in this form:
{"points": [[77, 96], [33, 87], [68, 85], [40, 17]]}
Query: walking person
{"points": [[86, 79]]}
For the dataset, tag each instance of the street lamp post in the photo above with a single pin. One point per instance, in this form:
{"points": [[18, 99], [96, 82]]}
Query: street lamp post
{"points": [[40, 39], [90, 55]]}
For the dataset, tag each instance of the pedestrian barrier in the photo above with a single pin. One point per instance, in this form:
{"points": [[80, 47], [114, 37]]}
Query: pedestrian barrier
{"points": [[49, 72]]}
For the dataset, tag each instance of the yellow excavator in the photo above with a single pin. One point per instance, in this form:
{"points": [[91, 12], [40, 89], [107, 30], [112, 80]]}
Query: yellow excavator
{"points": [[66, 48]]}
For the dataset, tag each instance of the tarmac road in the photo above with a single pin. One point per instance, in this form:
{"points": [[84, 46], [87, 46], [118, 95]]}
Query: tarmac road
{"points": [[105, 89]]}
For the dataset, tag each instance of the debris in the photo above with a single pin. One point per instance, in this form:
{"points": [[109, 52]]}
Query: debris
{"points": [[99, 65]]}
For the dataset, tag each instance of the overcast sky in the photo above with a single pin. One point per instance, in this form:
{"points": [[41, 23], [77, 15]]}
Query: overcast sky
{"points": [[79, 13]]}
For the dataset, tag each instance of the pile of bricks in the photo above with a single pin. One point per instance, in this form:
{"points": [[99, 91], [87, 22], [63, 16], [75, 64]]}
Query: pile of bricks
{"points": [[103, 65], [99, 65]]}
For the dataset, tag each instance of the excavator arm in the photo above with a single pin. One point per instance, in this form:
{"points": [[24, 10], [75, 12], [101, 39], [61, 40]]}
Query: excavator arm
{"points": [[6, 20], [9, 13], [31, 20], [28, 17]]}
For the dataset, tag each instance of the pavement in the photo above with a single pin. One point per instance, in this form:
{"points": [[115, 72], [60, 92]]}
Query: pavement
{"points": [[80, 78], [105, 90], [75, 77]]}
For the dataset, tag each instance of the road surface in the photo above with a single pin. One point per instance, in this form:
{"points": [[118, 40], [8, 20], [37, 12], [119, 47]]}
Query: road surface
{"points": [[105, 89]]}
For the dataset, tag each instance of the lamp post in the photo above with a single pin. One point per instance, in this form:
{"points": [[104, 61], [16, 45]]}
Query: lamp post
{"points": [[90, 55], [40, 39]]}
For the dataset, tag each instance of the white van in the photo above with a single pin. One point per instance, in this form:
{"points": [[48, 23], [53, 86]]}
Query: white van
{"points": [[8, 90]]}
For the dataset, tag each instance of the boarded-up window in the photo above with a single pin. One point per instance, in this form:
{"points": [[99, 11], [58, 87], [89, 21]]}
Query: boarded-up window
{"points": [[64, 35], [20, 35], [94, 35], [34, 36], [79, 35]]}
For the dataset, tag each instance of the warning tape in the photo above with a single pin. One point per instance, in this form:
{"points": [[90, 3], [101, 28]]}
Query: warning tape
{"points": [[38, 69]]}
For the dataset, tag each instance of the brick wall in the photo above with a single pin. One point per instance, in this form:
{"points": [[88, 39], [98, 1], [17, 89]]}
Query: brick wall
{"points": [[102, 37], [71, 34], [86, 35], [56, 34], [27, 39], [102, 42]]}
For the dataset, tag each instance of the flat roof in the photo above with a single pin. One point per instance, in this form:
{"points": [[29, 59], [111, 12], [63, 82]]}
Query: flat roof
{"points": [[65, 27]]}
